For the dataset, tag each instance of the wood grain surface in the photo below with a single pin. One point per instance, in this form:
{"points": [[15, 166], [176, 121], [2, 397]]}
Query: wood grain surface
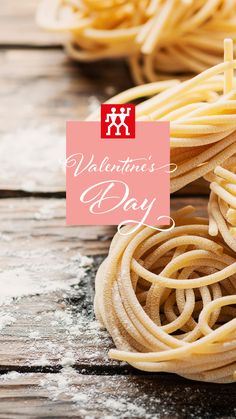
{"points": [[43, 89], [109, 396], [35, 243], [53, 355], [18, 26]]}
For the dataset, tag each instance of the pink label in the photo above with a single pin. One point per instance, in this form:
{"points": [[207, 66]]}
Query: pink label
{"points": [[118, 181]]}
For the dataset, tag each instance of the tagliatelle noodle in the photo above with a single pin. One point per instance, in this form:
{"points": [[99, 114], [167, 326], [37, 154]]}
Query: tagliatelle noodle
{"points": [[168, 300], [202, 115], [157, 36]]}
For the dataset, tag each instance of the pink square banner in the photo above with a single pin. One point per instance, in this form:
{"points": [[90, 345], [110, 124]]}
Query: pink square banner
{"points": [[118, 180]]}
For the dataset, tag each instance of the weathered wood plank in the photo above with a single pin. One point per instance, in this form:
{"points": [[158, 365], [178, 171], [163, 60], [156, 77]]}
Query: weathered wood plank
{"points": [[45, 86], [18, 26], [43, 89], [57, 326], [71, 394], [40, 224], [36, 246]]}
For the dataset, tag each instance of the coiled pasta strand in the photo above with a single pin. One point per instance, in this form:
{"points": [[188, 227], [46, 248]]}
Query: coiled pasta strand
{"points": [[222, 203], [157, 36], [168, 300], [202, 115]]}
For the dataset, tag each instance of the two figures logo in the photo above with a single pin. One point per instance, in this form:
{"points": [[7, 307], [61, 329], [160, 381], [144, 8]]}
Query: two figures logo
{"points": [[117, 121], [121, 116]]}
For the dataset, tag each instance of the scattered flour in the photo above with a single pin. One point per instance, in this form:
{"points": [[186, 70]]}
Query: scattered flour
{"points": [[69, 325], [12, 375], [34, 335], [18, 282], [120, 397], [39, 150], [58, 384], [84, 261], [110, 396], [42, 361], [68, 359], [122, 405], [5, 237], [71, 386], [6, 320], [46, 212]]}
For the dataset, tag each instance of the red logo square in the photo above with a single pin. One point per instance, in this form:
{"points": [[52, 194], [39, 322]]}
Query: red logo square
{"points": [[117, 121]]}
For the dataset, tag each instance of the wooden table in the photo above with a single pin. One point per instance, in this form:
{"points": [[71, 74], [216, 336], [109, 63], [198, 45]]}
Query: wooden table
{"points": [[53, 356]]}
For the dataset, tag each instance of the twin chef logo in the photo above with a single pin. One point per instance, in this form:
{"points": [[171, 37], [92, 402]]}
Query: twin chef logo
{"points": [[118, 182], [117, 121]]}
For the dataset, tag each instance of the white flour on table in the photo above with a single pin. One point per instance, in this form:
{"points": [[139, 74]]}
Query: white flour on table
{"points": [[40, 153]]}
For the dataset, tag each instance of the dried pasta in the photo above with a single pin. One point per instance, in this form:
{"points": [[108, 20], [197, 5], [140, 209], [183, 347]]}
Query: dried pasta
{"points": [[202, 115], [157, 36], [168, 300], [222, 203]]}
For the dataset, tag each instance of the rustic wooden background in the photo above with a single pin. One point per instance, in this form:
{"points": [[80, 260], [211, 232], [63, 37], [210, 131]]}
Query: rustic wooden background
{"points": [[60, 369]]}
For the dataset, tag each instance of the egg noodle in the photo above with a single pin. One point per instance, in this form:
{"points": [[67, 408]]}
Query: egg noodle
{"points": [[157, 36], [202, 115], [168, 300], [222, 203]]}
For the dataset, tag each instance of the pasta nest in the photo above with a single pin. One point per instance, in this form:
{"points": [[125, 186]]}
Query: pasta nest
{"points": [[202, 116], [168, 300], [222, 203], [157, 36]]}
